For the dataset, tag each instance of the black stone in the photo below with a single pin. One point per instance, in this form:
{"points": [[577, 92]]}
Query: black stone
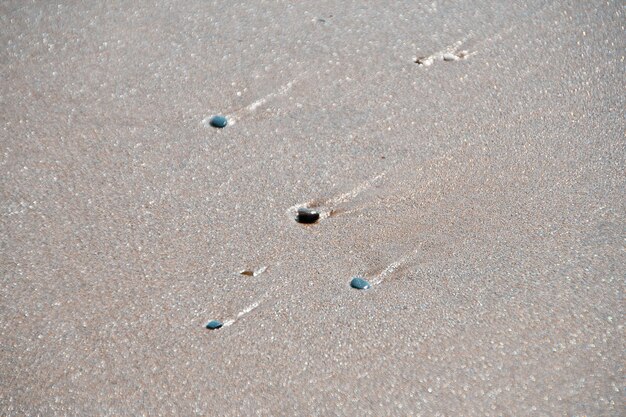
{"points": [[307, 215]]}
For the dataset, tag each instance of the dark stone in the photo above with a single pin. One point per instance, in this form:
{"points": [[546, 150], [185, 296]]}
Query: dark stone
{"points": [[307, 215], [218, 121], [359, 283], [214, 324]]}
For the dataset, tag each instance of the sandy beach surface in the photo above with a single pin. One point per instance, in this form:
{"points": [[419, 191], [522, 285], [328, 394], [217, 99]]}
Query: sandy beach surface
{"points": [[480, 190]]}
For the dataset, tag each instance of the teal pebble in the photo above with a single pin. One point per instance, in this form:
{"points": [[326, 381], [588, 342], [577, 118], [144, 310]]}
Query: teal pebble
{"points": [[359, 283], [214, 324], [218, 121]]}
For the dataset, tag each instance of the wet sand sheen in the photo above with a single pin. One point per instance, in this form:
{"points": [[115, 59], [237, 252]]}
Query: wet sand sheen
{"points": [[480, 198]]}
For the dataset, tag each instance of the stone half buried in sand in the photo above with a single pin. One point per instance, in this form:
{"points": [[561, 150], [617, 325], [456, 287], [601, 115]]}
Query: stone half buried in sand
{"points": [[253, 272], [450, 57], [359, 283], [214, 324], [218, 121], [307, 216]]}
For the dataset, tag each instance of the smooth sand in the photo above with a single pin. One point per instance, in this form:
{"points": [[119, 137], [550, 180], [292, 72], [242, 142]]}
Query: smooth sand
{"points": [[484, 197]]}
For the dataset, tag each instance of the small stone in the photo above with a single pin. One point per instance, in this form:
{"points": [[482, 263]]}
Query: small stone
{"points": [[359, 283], [450, 57], [307, 215], [214, 324], [218, 121], [424, 61], [253, 273]]}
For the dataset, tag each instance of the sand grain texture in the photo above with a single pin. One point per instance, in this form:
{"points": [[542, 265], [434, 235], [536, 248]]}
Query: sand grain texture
{"points": [[484, 198]]}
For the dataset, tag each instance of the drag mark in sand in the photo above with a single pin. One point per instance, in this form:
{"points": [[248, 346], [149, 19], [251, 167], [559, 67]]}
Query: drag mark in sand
{"points": [[451, 53], [343, 198], [252, 107], [399, 197], [392, 267], [281, 91], [356, 191], [242, 313]]}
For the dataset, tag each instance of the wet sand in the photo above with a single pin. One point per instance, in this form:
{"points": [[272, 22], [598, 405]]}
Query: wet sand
{"points": [[482, 197]]}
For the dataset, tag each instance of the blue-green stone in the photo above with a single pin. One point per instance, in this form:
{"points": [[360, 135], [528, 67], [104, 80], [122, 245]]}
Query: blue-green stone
{"points": [[359, 283], [218, 121], [214, 324]]}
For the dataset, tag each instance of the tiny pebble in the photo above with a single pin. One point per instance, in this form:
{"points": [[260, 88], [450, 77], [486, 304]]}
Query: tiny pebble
{"points": [[424, 61], [306, 215], [218, 121], [253, 273], [214, 324], [359, 283]]}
